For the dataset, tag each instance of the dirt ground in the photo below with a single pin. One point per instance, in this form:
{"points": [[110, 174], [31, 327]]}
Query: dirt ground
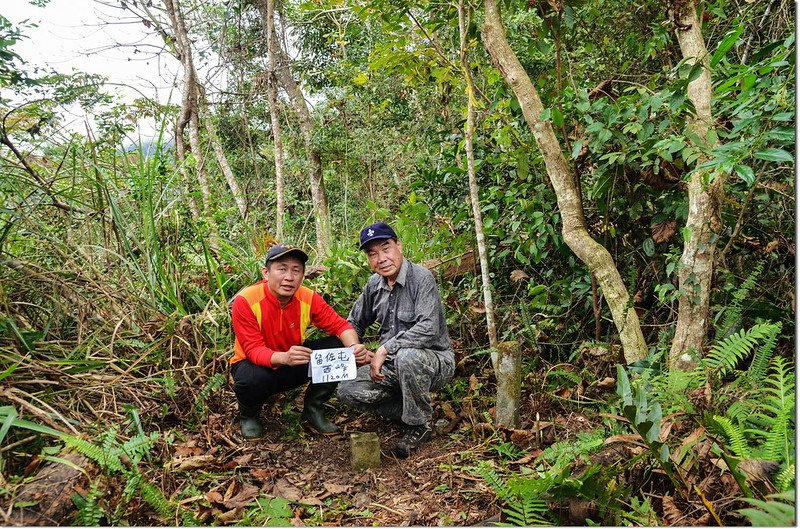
{"points": [[428, 488]]}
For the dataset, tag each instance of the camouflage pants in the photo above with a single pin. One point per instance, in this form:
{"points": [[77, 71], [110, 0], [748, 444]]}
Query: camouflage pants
{"points": [[404, 393]]}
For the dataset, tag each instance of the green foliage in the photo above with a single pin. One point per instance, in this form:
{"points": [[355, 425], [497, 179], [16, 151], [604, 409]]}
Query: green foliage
{"points": [[269, 512], [732, 314], [727, 353], [89, 512], [733, 433], [216, 381], [645, 418], [778, 510], [524, 505]]}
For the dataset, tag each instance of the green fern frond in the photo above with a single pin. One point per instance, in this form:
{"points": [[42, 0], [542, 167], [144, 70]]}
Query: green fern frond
{"points": [[785, 479], [733, 433], [498, 485], [139, 445], [156, 499], [106, 461], [763, 355], [90, 512], [728, 352], [778, 403], [777, 511], [733, 313], [529, 511], [567, 451], [740, 410], [214, 383]]}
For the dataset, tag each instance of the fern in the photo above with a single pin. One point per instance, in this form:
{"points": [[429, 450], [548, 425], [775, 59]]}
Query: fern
{"points": [[106, 461], [89, 511], [528, 511], [761, 358], [785, 479], [777, 511], [733, 313], [485, 471], [733, 433], [567, 451], [156, 499], [776, 412], [521, 496], [728, 352], [214, 383], [139, 445]]}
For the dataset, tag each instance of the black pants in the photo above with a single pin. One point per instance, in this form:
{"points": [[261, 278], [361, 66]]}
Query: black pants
{"points": [[253, 384]]}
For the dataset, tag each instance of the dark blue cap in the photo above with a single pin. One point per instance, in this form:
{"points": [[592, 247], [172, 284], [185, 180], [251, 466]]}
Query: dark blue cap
{"points": [[373, 232], [281, 249]]}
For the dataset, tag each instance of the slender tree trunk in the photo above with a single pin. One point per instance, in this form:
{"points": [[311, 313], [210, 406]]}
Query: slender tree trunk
{"points": [[275, 118], [189, 106], [473, 188], [593, 254], [703, 221], [222, 160], [318, 196]]}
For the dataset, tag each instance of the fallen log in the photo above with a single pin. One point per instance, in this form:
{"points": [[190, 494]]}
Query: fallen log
{"points": [[46, 499]]}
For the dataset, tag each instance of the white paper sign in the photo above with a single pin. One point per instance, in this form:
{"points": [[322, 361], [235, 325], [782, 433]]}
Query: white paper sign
{"points": [[332, 365]]}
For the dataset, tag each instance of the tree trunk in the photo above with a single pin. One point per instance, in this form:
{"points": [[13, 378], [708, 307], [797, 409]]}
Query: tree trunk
{"points": [[509, 384], [286, 80], [703, 221], [189, 106], [277, 135], [473, 188], [593, 254], [222, 160]]}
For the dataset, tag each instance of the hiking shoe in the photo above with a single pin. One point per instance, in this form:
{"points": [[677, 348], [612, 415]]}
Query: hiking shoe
{"points": [[412, 438]]}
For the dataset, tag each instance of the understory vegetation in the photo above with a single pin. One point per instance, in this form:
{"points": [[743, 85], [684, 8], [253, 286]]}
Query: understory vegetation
{"points": [[117, 272]]}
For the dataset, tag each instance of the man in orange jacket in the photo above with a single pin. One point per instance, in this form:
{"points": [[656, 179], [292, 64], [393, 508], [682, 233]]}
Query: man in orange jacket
{"points": [[271, 353]]}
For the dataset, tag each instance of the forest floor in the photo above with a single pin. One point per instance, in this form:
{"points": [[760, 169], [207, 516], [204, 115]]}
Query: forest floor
{"points": [[432, 487]]}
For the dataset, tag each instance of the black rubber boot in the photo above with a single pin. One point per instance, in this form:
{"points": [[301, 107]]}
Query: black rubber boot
{"points": [[250, 423], [313, 407]]}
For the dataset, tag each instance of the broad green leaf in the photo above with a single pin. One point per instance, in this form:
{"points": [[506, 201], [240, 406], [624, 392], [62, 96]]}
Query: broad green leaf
{"points": [[726, 44], [774, 155], [746, 173]]}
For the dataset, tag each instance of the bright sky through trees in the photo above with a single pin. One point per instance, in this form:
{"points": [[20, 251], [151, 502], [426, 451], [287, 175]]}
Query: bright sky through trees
{"points": [[93, 37]]}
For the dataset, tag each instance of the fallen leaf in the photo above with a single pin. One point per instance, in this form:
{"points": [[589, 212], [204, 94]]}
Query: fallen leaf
{"points": [[335, 488], [772, 246], [608, 382], [519, 275], [311, 500], [262, 474], [244, 459], [230, 516], [663, 231], [672, 513], [214, 497], [193, 463], [530, 456], [284, 489], [521, 437], [477, 307], [186, 451], [245, 495]]}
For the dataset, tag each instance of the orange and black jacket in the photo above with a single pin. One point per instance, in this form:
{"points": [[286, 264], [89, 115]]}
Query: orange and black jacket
{"points": [[263, 327]]}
